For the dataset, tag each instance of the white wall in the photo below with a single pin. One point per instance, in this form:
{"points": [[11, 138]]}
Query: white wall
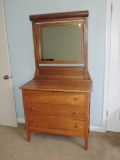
{"points": [[19, 32]]}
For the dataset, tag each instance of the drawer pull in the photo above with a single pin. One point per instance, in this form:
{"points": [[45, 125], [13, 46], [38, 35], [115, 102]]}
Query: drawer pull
{"points": [[31, 109], [76, 98], [76, 125], [76, 112], [33, 121], [30, 96]]}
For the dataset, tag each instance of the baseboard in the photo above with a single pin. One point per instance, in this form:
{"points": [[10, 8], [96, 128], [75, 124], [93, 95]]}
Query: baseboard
{"points": [[97, 129], [92, 128], [20, 120]]}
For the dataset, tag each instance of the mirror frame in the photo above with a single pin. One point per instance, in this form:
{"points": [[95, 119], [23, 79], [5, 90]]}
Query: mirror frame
{"points": [[58, 19], [57, 23]]}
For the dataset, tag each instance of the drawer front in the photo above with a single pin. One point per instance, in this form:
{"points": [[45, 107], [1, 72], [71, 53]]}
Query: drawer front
{"points": [[52, 110], [54, 123], [53, 97]]}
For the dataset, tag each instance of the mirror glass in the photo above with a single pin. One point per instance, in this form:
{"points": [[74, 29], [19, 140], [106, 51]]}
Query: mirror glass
{"points": [[61, 43]]}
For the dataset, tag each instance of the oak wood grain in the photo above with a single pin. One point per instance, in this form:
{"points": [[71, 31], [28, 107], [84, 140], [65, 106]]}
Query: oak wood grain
{"points": [[56, 123], [53, 97], [53, 110], [55, 85]]}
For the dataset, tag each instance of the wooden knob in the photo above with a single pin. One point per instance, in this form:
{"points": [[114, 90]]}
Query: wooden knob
{"points": [[76, 98], [30, 95], [76, 112], [31, 109], [76, 125]]}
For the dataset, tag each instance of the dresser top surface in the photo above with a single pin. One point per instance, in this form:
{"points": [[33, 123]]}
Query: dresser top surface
{"points": [[66, 85]]}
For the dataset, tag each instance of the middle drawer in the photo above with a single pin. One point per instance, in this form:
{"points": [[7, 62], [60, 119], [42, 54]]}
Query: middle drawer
{"points": [[50, 110]]}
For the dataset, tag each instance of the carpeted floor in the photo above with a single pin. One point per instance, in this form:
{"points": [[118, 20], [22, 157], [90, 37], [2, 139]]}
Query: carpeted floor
{"points": [[13, 146]]}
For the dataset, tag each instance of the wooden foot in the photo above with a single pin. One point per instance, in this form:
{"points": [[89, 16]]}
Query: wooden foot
{"points": [[28, 136], [86, 143]]}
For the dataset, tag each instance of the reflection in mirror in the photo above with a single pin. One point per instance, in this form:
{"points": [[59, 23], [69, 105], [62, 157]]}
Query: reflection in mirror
{"points": [[61, 43]]}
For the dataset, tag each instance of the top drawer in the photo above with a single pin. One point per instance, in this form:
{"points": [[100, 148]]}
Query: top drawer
{"points": [[53, 97]]}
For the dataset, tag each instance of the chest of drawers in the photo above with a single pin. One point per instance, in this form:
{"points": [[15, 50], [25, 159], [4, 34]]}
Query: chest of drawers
{"points": [[57, 110]]}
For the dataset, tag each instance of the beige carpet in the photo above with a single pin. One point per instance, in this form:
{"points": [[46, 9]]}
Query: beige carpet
{"points": [[13, 146]]}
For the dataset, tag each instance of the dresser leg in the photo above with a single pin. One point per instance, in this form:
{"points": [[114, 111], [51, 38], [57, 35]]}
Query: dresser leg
{"points": [[86, 143], [86, 120], [27, 129], [28, 135]]}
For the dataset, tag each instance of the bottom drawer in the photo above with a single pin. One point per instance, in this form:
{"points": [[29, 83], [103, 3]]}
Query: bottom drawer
{"points": [[54, 124]]}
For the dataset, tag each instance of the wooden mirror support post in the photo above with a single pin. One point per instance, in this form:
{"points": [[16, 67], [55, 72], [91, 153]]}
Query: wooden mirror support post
{"points": [[57, 100]]}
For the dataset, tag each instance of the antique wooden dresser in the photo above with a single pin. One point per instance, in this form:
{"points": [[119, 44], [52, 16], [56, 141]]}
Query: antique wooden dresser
{"points": [[57, 99]]}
